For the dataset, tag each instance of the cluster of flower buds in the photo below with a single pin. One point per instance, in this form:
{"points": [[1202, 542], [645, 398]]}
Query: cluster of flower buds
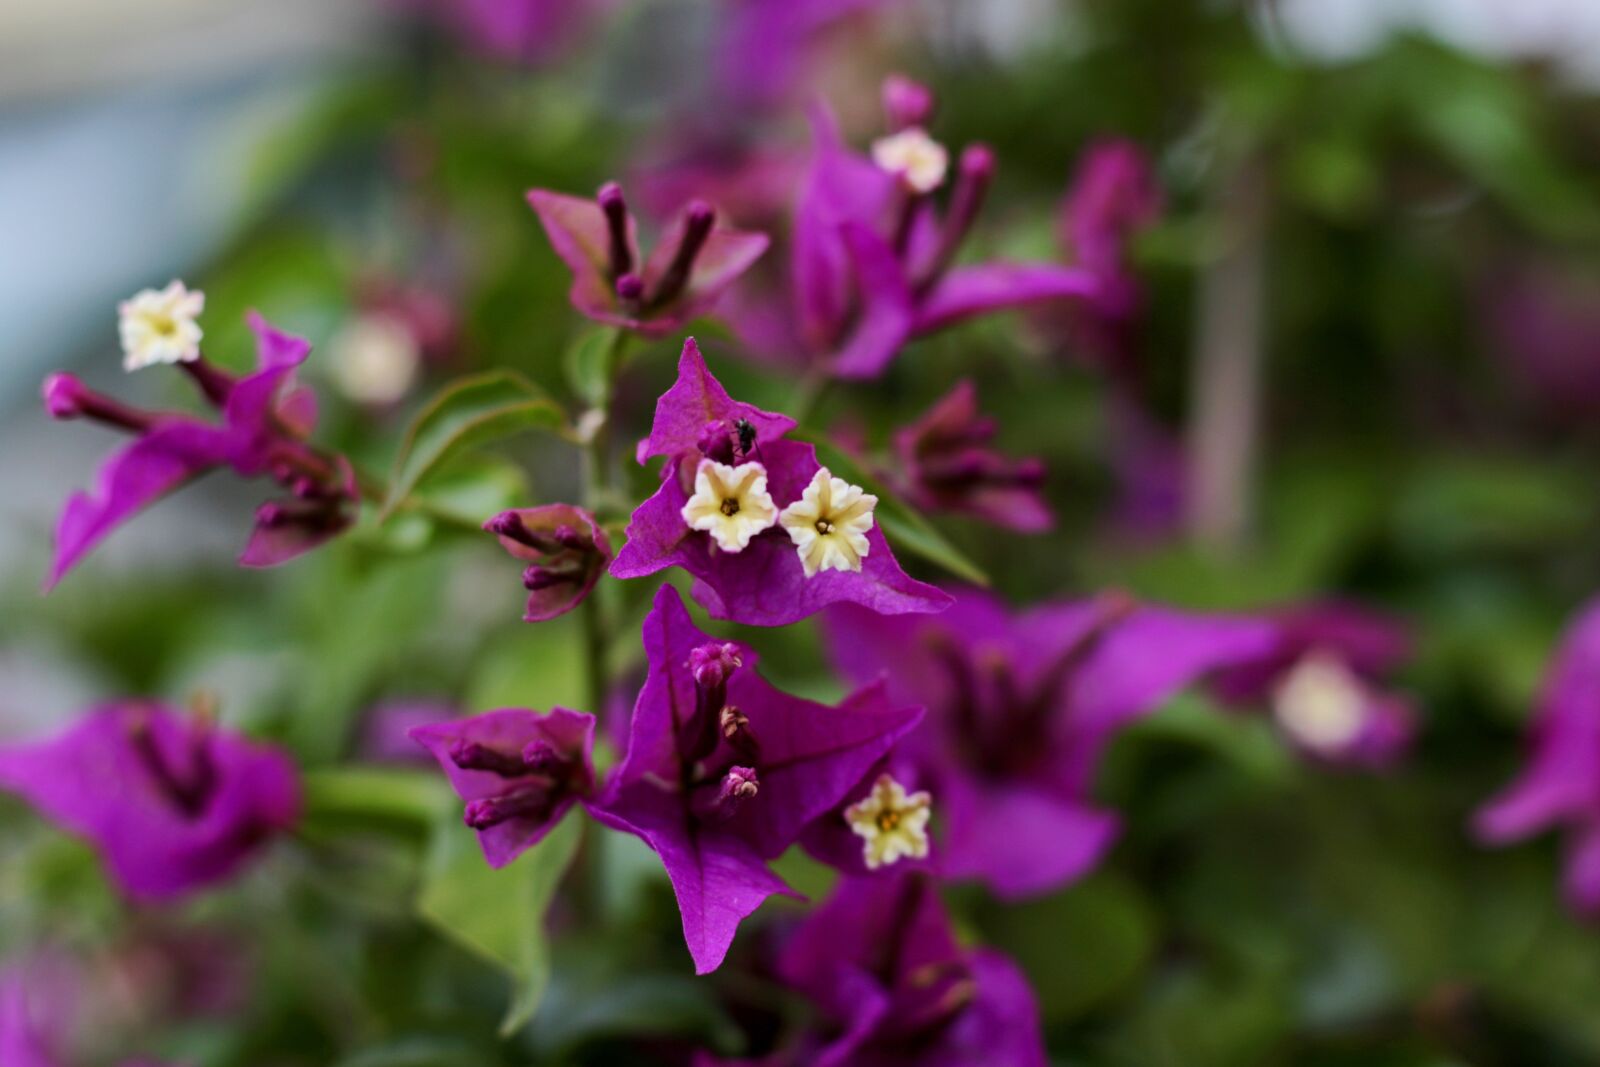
{"points": [[684, 276], [565, 549], [518, 771], [947, 464]]}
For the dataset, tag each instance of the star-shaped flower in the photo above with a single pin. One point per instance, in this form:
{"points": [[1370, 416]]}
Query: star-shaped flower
{"points": [[159, 326], [723, 771], [829, 524], [767, 581], [892, 823], [730, 503]]}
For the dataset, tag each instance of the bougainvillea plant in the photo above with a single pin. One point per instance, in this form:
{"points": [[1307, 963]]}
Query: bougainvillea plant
{"points": [[878, 678]]}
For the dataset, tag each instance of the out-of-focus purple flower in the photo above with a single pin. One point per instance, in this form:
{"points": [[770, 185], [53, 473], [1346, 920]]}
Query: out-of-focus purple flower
{"points": [[265, 421], [1150, 467], [516, 31], [764, 45], [1544, 325], [689, 269], [566, 552], [25, 1039], [1322, 680], [752, 184], [723, 771], [757, 562], [1112, 196], [1020, 708], [947, 464], [22, 1044], [172, 802], [873, 259], [519, 772], [894, 988], [1560, 787]]}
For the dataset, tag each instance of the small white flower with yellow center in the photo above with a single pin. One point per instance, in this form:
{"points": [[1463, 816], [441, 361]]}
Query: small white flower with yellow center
{"points": [[919, 160], [1320, 704], [158, 326], [891, 823], [829, 524], [730, 503]]}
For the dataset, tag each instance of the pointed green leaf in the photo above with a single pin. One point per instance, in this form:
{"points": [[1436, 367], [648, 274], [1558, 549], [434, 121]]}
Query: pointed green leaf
{"points": [[498, 914], [590, 366], [469, 413]]}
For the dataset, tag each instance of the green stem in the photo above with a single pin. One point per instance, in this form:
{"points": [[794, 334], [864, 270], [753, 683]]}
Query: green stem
{"points": [[814, 388], [597, 491]]}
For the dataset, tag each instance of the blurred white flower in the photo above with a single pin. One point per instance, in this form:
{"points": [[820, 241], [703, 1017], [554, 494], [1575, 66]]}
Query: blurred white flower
{"points": [[375, 359], [158, 326]]}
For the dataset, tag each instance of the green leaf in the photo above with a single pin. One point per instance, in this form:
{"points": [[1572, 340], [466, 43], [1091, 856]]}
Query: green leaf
{"points": [[468, 414], [374, 793], [902, 524], [498, 914], [591, 365]]}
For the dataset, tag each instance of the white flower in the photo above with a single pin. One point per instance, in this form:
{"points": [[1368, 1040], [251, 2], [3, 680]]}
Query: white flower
{"points": [[891, 823], [730, 503], [1320, 704], [829, 524], [158, 326], [918, 159], [375, 359]]}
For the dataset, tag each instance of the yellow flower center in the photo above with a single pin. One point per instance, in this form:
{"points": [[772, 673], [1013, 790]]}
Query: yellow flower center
{"points": [[730, 503], [891, 823], [829, 524]]}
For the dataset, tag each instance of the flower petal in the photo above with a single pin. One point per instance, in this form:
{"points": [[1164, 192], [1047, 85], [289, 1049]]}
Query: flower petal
{"points": [[969, 291], [695, 399], [151, 467]]}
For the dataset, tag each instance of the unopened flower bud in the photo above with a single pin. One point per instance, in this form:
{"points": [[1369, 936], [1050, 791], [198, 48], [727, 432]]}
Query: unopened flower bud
{"points": [[712, 664], [473, 756], [698, 219], [906, 102], [489, 812], [619, 252], [630, 288], [62, 393], [535, 578], [541, 757], [717, 441], [739, 784]]}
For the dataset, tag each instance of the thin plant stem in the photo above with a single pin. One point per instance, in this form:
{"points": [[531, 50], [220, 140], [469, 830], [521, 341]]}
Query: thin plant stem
{"points": [[814, 388]]}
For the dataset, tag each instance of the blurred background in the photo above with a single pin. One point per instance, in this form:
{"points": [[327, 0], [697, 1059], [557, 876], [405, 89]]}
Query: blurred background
{"points": [[1366, 364]]}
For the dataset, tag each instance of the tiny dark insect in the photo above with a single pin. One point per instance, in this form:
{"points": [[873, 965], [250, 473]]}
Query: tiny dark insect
{"points": [[747, 436]]}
